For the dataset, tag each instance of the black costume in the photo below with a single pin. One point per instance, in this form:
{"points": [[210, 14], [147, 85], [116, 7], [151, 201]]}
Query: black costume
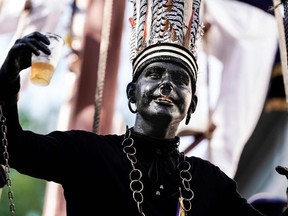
{"points": [[83, 162], [97, 171]]}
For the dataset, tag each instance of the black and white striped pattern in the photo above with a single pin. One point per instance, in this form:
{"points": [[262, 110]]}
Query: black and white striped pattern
{"points": [[168, 50]]}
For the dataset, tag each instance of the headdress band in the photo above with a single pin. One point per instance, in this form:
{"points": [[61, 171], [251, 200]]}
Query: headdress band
{"points": [[166, 50]]}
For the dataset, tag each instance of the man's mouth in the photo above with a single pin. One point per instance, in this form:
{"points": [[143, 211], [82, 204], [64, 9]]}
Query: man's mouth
{"points": [[164, 100]]}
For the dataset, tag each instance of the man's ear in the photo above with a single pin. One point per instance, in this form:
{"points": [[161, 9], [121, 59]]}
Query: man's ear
{"points": [[194, 103], [191, 109], [130, 92]]}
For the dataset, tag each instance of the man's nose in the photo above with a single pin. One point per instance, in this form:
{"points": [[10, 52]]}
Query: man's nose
{"points": [[166, 88]]}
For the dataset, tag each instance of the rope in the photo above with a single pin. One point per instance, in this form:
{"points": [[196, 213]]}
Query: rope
{"points": [[283, 36], [105, 38], [285, 6], [20, 25]]}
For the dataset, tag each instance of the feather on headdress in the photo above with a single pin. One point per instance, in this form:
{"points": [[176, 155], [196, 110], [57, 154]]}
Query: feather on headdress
{"points": [[165, 29]]}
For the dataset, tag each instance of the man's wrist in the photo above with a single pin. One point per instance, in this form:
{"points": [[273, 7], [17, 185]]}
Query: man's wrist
{"points": [[9, 101]]}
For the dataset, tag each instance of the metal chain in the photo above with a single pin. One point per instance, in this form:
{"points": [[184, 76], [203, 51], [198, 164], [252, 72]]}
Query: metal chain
{"points": [[184, 167], [135, 176], [6, 158]]}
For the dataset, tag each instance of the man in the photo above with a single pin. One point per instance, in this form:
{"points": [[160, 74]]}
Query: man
{"points": [[142, 171]]}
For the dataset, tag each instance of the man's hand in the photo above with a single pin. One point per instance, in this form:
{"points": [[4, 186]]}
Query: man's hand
{"points": [[19, 58]]}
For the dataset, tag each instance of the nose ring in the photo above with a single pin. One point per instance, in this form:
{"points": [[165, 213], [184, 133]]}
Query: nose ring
{"points": [[166, 89]]}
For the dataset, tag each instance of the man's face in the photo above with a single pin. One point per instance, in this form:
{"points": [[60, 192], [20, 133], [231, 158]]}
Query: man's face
{"points": [[163, 92]]}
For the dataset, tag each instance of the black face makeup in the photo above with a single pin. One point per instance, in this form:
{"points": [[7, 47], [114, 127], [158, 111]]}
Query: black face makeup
{"points": [[163, 90]]}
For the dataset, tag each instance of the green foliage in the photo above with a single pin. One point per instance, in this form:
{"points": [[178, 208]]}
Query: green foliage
{"points": [[28, 192], [28, 195]]}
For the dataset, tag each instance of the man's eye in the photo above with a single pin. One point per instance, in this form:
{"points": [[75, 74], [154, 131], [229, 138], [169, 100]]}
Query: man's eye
{"points": [[154, 75], [154, 72], [181, 80]]}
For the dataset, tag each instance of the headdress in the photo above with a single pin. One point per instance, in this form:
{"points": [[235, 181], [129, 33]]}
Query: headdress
{"points": [[165, 30]]}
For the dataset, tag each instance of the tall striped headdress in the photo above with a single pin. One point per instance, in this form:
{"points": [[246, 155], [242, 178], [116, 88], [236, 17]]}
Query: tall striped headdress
{"points": [[165, 30]]}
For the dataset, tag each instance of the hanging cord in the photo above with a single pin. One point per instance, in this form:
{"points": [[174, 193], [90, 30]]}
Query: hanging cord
{"points": [[285, 76], [1, 5], [282, 23], [285, 7], [6, 158], [21, 22], [105, 38], [70, 33]]}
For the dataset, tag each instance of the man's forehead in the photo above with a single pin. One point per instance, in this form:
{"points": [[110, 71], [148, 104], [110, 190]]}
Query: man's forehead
{"points": [[166, 66], [174, 67]]}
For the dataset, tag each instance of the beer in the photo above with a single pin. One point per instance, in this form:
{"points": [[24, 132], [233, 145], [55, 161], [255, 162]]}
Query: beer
{"points": [[43, 66], [41, 73]]}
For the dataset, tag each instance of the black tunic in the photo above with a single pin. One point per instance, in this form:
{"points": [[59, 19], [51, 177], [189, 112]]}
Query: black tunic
{"points": [[94, 173]]}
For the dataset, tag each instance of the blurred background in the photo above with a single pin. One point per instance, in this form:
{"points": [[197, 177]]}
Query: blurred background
{"points": [[241, 120]]}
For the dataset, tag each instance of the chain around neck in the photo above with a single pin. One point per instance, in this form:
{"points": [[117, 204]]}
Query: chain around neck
{"points": [[137, 186]]}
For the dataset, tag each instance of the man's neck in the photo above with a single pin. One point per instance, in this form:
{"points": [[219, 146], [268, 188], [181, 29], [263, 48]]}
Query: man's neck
{"points": [[161, 131]]}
